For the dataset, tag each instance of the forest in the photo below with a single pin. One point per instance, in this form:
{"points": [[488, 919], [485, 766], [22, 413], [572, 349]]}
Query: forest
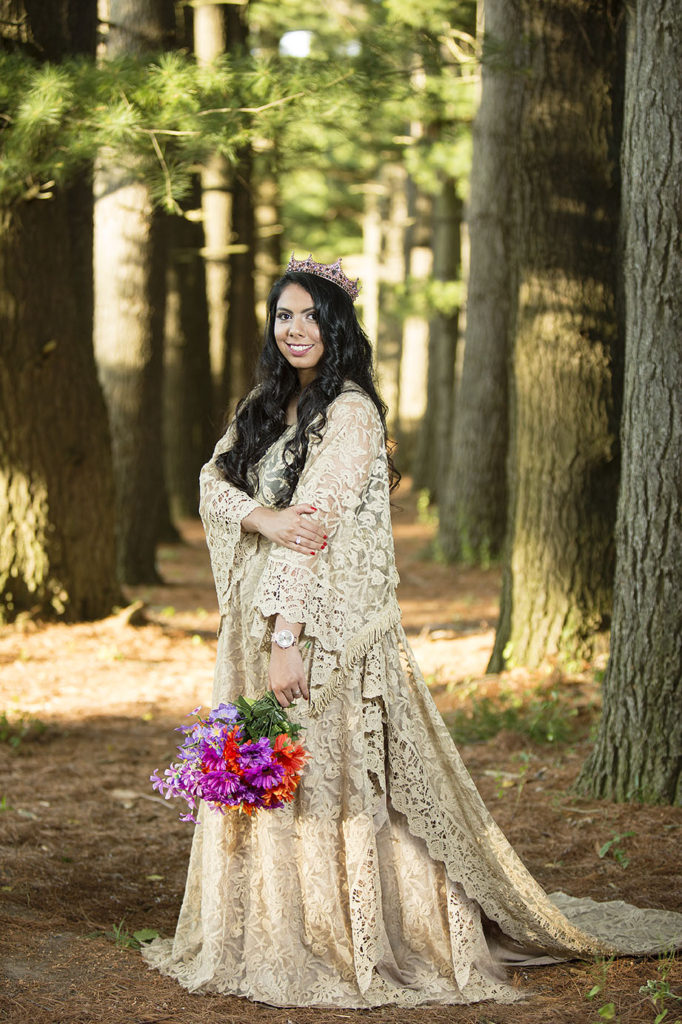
{"points": [[504, 177]]}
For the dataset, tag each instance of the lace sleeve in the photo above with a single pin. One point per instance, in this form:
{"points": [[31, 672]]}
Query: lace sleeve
{"points": [[221, 502], [222, 506], [313, 589]]}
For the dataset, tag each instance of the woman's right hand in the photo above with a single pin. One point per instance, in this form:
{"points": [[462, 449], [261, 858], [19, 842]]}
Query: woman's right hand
{"points": [[284, 526]]}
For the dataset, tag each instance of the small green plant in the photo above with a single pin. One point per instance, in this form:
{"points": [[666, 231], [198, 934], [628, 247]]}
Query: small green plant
{"points": [[613, 847], [545, 717], [19, 727], [658, 991], [124, 939], [607, 1010], [427, 513]]}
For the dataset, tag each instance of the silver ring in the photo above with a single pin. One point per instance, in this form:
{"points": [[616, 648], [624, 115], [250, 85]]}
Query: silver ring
{"points": [[297, 693], [297, 541]]}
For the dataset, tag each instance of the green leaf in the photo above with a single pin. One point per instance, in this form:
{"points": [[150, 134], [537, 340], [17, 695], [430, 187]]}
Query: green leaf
{"points": [[145, 934], [608, 1011]]}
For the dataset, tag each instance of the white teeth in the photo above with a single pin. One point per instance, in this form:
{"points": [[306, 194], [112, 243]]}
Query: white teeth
{"points": [[299, 348]]}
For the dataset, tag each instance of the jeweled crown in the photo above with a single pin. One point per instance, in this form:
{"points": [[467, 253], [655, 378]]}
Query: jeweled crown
{"points": [[329, 271]]}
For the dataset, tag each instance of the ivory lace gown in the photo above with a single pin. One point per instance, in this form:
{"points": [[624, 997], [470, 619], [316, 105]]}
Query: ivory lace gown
{"points": [[386, 880]]}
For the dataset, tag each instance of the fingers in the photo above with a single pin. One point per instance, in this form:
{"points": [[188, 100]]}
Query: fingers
{"points": [[286, 698], [306, 534]]}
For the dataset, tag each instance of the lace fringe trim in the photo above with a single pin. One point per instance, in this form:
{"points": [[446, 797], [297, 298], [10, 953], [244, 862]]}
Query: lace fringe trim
{"points": [[355, 650]]}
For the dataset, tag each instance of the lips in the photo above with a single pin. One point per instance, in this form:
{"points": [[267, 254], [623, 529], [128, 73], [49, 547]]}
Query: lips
{"points": [[298, 350]]}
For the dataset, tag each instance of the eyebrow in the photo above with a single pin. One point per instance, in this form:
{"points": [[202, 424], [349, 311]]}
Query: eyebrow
{"points": [[285, 309]]}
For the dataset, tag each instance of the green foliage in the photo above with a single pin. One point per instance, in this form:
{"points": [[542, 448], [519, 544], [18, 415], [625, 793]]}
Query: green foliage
{"points": [[124, 939], [615, 849], [659, 992], [19, 727], [543, 716], [607, 1010], [324, 125], [156, 118]]}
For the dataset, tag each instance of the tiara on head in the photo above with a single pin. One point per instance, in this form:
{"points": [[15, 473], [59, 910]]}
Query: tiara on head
{"points": [[329, 271]]}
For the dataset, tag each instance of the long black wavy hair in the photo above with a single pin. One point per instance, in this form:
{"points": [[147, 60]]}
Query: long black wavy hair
{"points": [[261, 416]]}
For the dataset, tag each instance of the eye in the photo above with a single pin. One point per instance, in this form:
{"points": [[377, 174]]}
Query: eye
{"points": [[281, 315], [313, 315]]}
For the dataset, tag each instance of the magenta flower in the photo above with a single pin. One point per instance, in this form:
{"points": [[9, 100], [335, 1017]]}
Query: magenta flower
{"points": [[265, 776]]}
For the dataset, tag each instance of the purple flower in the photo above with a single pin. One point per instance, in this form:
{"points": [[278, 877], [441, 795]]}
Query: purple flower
{"points": [[222, 787], [257, 752], [264, 776], [224, 713]]}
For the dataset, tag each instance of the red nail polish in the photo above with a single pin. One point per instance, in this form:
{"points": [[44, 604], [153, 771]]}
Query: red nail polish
{"points": [[312, 552], [323, 547], [313, 508], [325, 536]]}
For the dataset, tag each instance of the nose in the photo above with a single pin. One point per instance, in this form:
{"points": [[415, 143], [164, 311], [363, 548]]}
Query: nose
{"points": [[295, 327]]}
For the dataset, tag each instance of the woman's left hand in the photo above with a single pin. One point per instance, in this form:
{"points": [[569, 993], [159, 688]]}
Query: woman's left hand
{"points": [[286, 675]]}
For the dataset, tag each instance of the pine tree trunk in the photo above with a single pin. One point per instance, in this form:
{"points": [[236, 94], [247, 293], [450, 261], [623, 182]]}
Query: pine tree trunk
{"points": [[220, 28], [188, 428], [129, 318], [473, 510], [563, 463], [433, 447], [415, 341], [638, 753], [242, 336], [57, 555], [268, 219], [393, 273]]}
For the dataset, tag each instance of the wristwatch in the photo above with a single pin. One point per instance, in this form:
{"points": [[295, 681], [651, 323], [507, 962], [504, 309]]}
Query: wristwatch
{"points": [[284, 638]]}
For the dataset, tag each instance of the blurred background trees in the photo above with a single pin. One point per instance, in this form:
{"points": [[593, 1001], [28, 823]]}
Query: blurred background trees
{"points": [[480, 166]]}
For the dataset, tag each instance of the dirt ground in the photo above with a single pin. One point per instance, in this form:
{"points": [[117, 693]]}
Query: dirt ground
{"points": [[89, 854]]}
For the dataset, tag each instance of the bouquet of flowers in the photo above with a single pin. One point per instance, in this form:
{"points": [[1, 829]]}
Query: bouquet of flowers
{"points": [[243, 755]]}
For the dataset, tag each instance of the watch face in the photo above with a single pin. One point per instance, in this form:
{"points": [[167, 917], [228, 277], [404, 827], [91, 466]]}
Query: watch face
{"points": [[284, 638]]}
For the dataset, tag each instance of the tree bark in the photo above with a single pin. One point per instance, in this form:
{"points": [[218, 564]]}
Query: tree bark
{"points": [[242, 336], [129, 317], [473, 509], [564, 402], [393, 272], [433, 449], [268, 219], [220, 28], [638, 752], [57, 555], [415, 341], [188, 427]]}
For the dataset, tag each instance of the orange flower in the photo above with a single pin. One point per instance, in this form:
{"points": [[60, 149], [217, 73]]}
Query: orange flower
{"points": [[291, 756], [231, 750]]}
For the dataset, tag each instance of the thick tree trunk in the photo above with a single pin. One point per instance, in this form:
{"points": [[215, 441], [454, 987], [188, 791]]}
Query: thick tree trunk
{"points": [[433, 445], [415, 341], [188, 429], [129, 318], [393, 273], [638, 753], [57, 554], [473, 509], [218, 29], [243, 342], [563, 463], [268, 218]]}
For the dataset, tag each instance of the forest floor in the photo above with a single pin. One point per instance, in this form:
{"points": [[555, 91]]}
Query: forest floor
{"points": [[89, 855]]}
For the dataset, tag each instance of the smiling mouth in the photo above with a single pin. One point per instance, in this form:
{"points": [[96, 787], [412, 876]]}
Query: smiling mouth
{"points": [[298, 350]]}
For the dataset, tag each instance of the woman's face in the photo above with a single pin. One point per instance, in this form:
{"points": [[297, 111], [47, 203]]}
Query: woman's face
{"points": [[297, 332]]}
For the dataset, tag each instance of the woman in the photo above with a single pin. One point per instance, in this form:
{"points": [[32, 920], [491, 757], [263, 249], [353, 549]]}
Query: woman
{"points": [[386, 881]]}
